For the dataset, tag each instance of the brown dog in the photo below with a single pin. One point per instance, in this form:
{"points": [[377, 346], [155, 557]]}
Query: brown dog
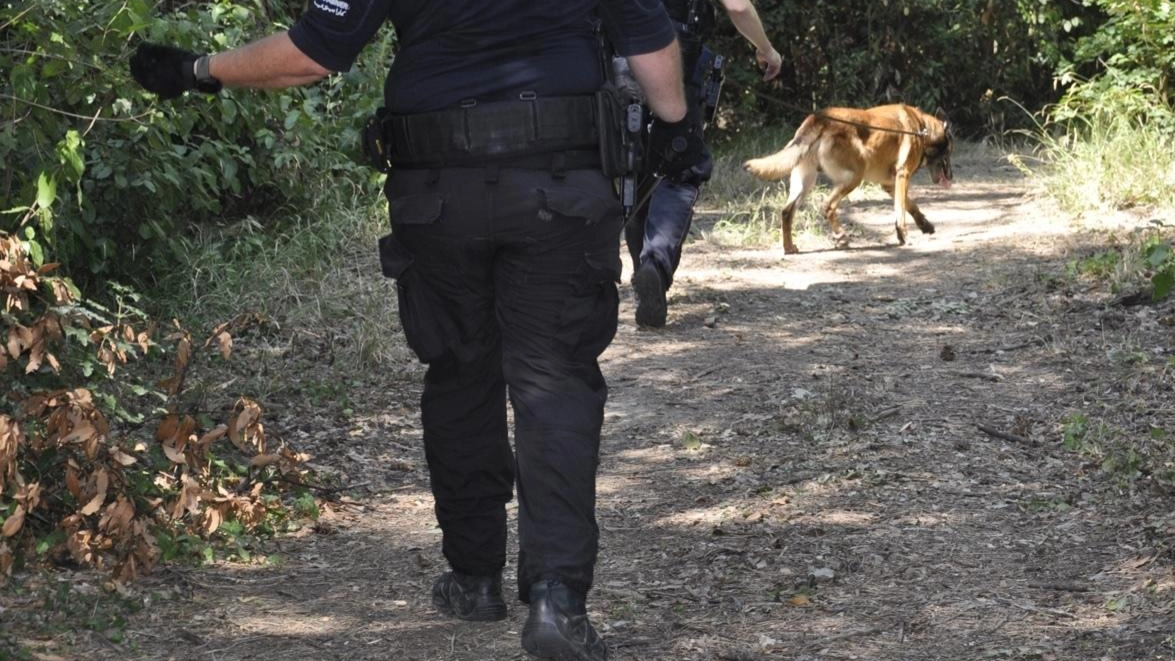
{"points": [[884, 145]]}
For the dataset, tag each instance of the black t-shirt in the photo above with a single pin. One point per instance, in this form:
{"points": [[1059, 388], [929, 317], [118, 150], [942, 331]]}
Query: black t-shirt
{"points": [[449, 51]]}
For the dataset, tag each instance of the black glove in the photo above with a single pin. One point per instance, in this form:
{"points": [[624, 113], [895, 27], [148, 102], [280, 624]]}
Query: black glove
{"points": [[168, 71], [676, 147]]}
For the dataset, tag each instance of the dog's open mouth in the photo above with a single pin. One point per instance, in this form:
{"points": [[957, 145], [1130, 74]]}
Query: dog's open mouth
{"points": [[940, 176]]}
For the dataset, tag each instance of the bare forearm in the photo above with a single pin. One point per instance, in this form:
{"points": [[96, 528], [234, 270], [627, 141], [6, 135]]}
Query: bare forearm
{"points": [[659, 74], [272, 62], [746, 20]]}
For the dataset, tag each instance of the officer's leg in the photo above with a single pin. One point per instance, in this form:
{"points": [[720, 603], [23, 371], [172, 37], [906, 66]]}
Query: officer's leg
{"points": [[671, 210], [558, 310], [443, 265]]}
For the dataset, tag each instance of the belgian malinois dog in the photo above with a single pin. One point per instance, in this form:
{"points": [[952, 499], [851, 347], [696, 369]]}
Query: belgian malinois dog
{"points": [[884, 145]]}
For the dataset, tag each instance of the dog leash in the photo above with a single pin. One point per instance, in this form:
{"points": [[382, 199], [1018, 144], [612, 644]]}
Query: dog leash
{"points": [[920, 133], [636, 207]]}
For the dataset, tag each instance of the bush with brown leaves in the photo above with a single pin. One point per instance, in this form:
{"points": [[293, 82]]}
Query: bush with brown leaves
{"points": [[75, 488]]}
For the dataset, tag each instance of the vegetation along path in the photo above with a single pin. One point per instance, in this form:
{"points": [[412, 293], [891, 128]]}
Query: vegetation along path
{"points": [[883, 453]]}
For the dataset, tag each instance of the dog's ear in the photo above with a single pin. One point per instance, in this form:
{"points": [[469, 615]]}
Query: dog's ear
{"points": [[941, 115]]}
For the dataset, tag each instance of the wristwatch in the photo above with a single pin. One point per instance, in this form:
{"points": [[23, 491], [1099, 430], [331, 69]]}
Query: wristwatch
{"points": [[204, 80]]}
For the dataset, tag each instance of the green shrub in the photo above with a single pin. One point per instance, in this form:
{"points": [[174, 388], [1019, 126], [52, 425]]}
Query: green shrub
{"points": [[966, 55], [104, 177], [1132, 55]]}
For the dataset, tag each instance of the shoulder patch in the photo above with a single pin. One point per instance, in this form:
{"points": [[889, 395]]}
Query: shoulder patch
{"points": [[336, 8]]}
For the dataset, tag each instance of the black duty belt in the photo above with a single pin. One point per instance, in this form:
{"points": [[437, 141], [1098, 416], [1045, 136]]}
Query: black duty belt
{"points": [[522, 133]]}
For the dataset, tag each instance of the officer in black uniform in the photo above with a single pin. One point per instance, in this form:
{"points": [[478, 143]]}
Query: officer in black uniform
{"points": [[505, 254], [657, 229]]}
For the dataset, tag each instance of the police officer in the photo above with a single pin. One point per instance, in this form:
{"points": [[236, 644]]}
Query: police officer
{"points": [[505, 255], [657, 230]]}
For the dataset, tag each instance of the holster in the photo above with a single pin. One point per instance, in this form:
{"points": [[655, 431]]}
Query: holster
{"points": [[620, 132], [374, 143], [709, 73]]}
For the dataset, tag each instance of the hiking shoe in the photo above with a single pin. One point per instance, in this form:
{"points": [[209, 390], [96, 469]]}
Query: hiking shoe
{"points": [[650, 295], [558, 628], [473, 598]]}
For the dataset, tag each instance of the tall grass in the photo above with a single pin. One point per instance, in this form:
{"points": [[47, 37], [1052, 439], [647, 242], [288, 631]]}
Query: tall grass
{"points": [[1109, 162], [318, 275], [747, 208]]}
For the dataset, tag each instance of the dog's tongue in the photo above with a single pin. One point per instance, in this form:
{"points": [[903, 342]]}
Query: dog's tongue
{"points": [[944, 182]]}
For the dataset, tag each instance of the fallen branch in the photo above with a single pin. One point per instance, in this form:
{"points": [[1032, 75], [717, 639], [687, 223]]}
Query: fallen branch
{"points": [[1036, 609], [994, 378], [991, 431], [1062, 587]]}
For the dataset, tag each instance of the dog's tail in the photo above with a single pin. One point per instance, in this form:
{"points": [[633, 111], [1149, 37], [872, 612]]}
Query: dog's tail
{"points": [[779, 165]]}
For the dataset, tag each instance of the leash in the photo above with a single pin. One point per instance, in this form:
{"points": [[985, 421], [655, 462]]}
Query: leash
{"points": [[639, 204], [657, 178], [922, 133]]}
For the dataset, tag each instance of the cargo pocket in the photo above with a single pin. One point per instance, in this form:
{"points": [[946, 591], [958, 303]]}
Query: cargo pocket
{"points": [[427, 327], [588, 319]]}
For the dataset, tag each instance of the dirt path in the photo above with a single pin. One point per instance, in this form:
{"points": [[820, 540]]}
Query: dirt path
{"points": [[834, 455]]}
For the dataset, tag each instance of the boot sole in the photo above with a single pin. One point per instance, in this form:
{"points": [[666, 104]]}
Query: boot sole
{"points": [[545, 642], [487, 613]]}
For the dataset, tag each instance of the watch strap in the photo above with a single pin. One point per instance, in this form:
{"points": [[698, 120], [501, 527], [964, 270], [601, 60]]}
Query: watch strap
{"points": [[204, 80]]}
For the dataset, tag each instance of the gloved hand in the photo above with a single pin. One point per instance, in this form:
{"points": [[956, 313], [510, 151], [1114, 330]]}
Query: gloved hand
{"points": [[676, 147], [168, 71]]}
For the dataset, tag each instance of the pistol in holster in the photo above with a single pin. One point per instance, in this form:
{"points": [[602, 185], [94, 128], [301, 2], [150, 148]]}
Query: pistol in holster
{"points": [[375, 143], [622, 119]]}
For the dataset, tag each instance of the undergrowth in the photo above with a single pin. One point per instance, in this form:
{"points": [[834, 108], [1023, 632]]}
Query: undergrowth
{"points": [[1109, 163], [110, 468], [317, 274], [748, 208]]}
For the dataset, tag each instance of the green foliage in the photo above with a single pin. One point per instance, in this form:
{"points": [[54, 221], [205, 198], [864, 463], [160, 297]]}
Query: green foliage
{"points": [[1075, 428], [105, 178], [1099, 265], [306, 506], [1105, 160], [1123, 457], [1111, 140], [1160, 258], [1132, 57], [1145, 260], [965, 55]]}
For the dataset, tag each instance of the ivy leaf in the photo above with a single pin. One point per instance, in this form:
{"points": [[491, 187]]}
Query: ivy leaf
{"points": [[69, 150], [1163, 282], [46, 190]]}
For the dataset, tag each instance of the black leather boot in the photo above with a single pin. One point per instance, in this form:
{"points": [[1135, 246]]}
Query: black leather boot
{"points": [[474, 598], [649, 287], [558, 628]]}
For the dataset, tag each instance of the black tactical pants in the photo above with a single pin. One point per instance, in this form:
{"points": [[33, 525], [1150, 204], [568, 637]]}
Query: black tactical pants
{"points": [[507, 289]]}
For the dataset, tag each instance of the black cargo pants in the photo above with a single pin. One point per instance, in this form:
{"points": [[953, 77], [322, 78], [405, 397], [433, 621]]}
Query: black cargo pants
{"points": [[506, 281]]}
